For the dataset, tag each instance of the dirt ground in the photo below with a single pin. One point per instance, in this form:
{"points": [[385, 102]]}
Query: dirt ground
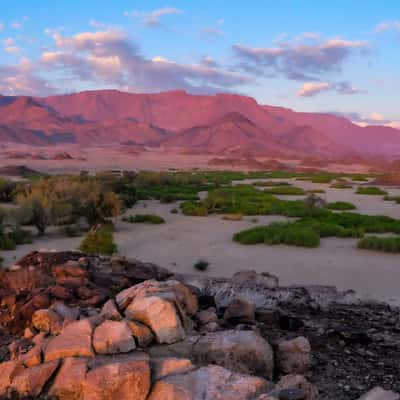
{"points": [[182, 241]]}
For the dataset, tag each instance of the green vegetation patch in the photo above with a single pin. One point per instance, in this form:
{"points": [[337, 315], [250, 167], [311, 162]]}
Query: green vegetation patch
{"points": [[271, 183], [385, 244], [99, 241], [341, 206], [286, 190], [370, 190], [392, 198], [144, 218]]}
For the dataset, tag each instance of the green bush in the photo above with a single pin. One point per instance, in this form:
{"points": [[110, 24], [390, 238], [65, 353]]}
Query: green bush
{"points": [[6, 242], [341, 206], [194, 209], [144, 218], [370, 190], [271, 183], [285, 190], [392, 198], [386, 244], [341, 185], [316, 191], [174, 211], [99, 241], [20, 236], [279, 233]]}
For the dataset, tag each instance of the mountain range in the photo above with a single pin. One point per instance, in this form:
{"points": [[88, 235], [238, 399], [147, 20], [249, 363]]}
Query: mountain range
{"points": [[221, 124]]}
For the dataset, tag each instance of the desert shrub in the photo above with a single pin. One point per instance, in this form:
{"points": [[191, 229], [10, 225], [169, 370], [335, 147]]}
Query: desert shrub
{"points": [[20, 236], [174, 211], [370, 190], [99, 241], [359, 178], [6, 242], [322, 179], [286, 190], [341, 185], [316, 191], [271, 183], [71, 230], [386, 244], [201, 265], [193, 208], [341, 206], [7, 190], [144, 218], [279, 233], [392, 198]]}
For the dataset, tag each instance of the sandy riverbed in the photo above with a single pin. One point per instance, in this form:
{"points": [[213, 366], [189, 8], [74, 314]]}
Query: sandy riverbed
{"points": [[182, 241]]}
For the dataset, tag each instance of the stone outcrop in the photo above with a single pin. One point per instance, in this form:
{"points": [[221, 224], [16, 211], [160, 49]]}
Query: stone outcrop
{"points": [[183, 339]]}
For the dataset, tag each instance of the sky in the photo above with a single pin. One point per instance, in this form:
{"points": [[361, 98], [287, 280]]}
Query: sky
{"points": [[326, 56]]}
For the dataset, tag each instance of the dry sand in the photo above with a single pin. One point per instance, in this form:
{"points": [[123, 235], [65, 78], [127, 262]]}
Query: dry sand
{"points": [[182, 241]]}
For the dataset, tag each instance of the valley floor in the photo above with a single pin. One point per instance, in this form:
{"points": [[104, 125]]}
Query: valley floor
{"points": [[183, 240]]}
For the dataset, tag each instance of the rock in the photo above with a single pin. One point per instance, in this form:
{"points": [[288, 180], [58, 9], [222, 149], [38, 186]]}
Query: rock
{"points": [[32, 357], [292, 394], [379, 393], [294, 356], [297, 382], [47, 321], [204, 317], [30, 381], [29, 332], [60, 292], [240, 351], [252, 278], [65, 311], [156, 304], [182, 349], [68, 383], [162, 367], [240, 309], [113, 337], [129, 380], [208, 383], [9, 370], [110, 311], [70, 274], [74, 340], [267, 315], [141, 332]]}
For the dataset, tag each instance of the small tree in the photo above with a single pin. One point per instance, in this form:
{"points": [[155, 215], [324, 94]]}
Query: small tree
{"points": [[99, 240]]}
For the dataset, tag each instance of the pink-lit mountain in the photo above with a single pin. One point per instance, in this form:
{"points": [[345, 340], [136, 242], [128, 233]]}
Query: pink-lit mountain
{"points": [[222, 124]]}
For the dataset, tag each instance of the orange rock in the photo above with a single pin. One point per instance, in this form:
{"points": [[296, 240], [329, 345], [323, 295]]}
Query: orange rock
{"points": [[165, 366], [9, 370], [47, 321], [30, 382], [75, 340], [128, 380], [141, 332], [68, 384], [112, 337]]}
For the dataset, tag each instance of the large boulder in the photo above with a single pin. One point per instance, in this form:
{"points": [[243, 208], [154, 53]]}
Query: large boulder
{"points": [[379, 393], [128, 380], [297, 382], [240, 309], [141, 333], [47, 321], [75, 340], [31, 381], [294, 356], [9, 370], [164, 366], [208, 383], [68, 383], [241, 351], [162, 306], [113, 337]]}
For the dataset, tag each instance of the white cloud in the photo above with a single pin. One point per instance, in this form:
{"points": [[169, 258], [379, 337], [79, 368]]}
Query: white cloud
{"points": [[388, 26], [1, 26], [310, 89], [11, 49], [211, 31], [152, 18], [8, 42], [16, 25]]}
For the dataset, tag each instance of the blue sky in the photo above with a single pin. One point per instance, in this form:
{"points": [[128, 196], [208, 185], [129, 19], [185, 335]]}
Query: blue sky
{"points": [[337, 56]]}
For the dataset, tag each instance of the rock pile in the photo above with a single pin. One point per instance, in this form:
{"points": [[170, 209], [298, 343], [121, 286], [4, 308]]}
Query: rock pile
{"points": [[150, 335]]}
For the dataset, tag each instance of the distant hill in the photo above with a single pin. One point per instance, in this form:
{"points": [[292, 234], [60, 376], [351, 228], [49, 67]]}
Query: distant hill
{"points": [[222, 124]]}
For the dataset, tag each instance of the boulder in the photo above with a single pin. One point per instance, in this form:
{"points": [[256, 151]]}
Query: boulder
{"points": [[164, 366], [71, 274], [252, 278], [68, 383], [204, 317], [31, 381], [110, 311], [208, 383], [9, 370], [113, 337], [47, 321], [294, 356], [241, 351], [71, 313], [74, 340], [141, 333], [162, 306], [297, 382], [240, 309], [128, 380], [379, 393]]}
